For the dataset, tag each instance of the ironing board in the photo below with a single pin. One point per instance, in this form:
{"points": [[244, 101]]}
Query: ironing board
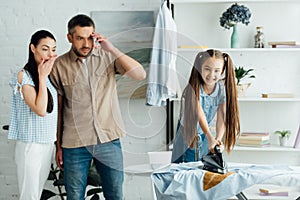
{"points": [[186, 180]]}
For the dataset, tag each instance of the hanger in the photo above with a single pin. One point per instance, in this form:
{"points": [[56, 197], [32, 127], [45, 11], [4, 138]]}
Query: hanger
{"points": [[170, 6]]}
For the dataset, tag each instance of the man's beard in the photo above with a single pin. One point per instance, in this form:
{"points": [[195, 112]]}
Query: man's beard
{"points": [[80, 54]]}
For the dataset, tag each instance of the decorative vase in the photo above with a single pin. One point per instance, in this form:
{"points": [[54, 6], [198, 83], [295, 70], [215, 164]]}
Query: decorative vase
{"points": [[235, 43]]}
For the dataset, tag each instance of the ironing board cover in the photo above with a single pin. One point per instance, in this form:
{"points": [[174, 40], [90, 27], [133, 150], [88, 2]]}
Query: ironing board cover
{"points": [[188, 181]]}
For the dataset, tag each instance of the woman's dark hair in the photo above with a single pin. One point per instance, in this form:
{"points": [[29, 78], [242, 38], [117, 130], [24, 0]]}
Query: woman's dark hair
{"points": [[191, 96], [31, 65]]}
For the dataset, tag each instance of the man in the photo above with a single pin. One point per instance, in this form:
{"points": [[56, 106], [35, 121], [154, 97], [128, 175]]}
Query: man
{"points": [[89, 121]]}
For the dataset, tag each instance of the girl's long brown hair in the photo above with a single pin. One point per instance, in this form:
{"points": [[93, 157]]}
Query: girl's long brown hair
{"points": [[191, 96]]}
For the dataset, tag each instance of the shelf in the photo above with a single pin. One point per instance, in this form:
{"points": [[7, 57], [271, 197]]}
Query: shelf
{"points": [[259, 99], [268, 63], [265, 149], [244, 49], [230, 1]]}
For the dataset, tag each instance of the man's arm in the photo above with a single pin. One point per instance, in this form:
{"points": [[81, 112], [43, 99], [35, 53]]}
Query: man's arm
{"points": [[132, 68], [59, 156]]}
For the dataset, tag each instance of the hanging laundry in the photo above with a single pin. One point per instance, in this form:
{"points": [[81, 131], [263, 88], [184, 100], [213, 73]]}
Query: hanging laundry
{"points": [[162, 82]]}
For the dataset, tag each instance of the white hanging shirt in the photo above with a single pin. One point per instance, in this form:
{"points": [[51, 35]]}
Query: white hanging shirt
{"points": [[162, 82]]}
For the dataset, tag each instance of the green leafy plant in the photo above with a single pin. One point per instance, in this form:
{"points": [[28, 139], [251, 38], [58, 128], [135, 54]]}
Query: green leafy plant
{"points": [[241, 73], [56, 175], [283, 133]]}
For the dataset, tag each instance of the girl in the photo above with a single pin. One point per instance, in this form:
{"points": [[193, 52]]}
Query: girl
{"points": [[211, 90], [34, 116]]}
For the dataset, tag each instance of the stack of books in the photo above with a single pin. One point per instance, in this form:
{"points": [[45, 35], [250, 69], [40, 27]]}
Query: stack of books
{"points": [[254, 139]]}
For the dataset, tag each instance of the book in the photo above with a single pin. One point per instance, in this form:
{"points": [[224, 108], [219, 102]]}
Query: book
{"points": [[282, 43], [286, 46], [255, 133], [274, 190], [297, 140], [193, 47], [278, 43], [254, 136], [255, 145], [274, 194], [254, 142], [254, 139], [277, 95]]}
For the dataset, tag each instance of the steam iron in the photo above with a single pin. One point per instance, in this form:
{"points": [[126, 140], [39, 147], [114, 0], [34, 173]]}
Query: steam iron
{"points": [[214, 162]]}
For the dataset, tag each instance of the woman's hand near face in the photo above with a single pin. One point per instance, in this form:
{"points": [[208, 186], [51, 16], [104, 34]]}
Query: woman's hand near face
{"points": [[45, 67], [38, 101]]}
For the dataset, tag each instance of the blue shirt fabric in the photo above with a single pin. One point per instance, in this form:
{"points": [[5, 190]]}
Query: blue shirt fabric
{"points": [[187, 180], [209, 103], [25, 125]]}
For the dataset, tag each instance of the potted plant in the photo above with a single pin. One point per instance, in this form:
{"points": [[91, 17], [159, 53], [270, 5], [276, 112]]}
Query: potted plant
{"points": [[283, 136], [93, 188], [235, 14], [241, 74]]}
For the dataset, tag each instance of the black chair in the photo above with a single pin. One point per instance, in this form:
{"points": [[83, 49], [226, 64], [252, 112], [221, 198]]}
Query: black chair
{"points": [[5, 127]]}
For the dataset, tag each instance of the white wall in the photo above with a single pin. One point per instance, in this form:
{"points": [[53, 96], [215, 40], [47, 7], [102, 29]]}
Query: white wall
{"points": [[19, 19]]}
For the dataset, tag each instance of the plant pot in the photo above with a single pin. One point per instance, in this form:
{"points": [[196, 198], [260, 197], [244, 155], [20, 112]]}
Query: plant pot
{"points": [[282, 141], [241, 89]]}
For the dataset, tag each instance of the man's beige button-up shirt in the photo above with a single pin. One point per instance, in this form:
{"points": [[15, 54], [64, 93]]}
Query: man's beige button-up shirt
{"points": [[91, 108]]}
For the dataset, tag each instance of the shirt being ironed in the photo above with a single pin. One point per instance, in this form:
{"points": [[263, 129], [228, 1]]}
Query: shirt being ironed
{"points": [[91, 109]]}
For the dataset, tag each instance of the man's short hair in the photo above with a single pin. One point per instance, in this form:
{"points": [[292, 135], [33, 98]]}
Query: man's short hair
{"points": [[79, 20]]}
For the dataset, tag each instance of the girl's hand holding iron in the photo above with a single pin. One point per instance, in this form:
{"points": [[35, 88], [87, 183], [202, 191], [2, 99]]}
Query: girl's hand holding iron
{"points": [[212, 142]]}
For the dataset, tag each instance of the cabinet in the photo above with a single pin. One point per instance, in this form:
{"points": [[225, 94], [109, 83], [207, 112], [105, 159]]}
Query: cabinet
{"points": [[276, 70]]}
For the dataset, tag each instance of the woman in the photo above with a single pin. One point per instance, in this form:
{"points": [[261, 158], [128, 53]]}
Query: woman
{"points": [[33, 119], [210, 91]]}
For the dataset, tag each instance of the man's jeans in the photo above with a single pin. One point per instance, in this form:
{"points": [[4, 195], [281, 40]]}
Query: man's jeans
{"points": [[108, 159]]}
